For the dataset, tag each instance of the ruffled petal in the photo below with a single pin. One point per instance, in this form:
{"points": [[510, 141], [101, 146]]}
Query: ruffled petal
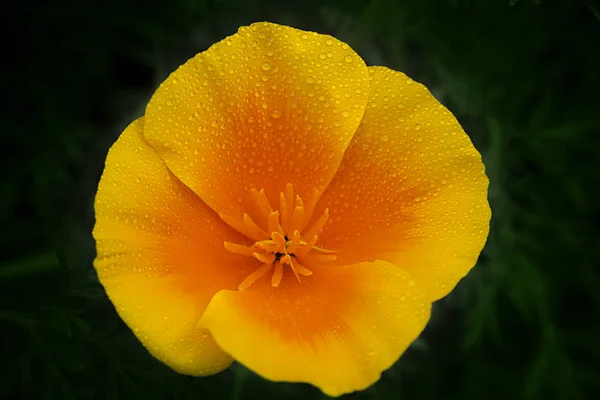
{"points": [[411, 188], [267, 106], [338, 329], [160, 255]]}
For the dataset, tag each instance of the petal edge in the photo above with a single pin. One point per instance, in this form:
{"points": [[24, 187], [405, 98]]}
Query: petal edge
{"points": [[338, 330]]}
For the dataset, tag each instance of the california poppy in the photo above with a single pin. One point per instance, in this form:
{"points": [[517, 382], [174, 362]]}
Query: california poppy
{"points": [[284, 205]]}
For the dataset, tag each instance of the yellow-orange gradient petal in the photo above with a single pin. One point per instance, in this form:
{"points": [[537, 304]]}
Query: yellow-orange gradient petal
{"points": [[268, 106], [160, 255], [337, 330], [411, 188]]}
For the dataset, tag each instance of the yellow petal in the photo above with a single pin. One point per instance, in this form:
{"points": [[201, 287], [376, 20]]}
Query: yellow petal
{"points": [[338, 329], [411, 189], [161, 256], [267, 106]]}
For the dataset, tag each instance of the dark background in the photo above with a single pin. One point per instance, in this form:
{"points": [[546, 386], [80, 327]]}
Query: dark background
{"points": [[523, 79]]}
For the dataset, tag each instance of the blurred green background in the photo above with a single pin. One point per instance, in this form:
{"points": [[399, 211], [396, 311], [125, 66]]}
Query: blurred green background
{"points": [[523, 77]]}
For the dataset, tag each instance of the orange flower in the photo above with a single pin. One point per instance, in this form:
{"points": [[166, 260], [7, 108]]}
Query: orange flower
{"points": [[284, 205]]}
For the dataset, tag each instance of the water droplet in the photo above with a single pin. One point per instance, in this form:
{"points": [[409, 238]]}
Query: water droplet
{"points": [[310, 79], [276, 114], [348, 58], [329, 42], [385, 138], [266, 66]]}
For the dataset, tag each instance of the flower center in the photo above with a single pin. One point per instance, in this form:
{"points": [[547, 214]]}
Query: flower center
{"points": [[282, 240]]}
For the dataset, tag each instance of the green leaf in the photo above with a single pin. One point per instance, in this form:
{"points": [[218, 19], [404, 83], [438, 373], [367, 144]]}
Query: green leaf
{"points": [[28, 266]]}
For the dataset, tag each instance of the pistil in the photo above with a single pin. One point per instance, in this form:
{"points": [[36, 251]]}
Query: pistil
{"points": [[286, 243]]}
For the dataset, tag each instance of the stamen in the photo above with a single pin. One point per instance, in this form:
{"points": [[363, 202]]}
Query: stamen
{"points": [[297, 218], [292, 245], [289, 193], [267, 245], [260, 198], [294, 270], [253, 229], [236, 224], [280, 241], [312, 241], [286, 260], [322, 250], [277, 275], [283, 209], [267, 258], [239, 249], [253, 277], [302, 270], [307, 246], [284, 243], [318, 226], [274, 222]]}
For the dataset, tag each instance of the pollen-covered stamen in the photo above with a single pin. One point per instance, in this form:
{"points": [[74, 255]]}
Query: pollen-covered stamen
{"points": [[283, 210], [279, 240], [267, 258], [318, 226], [260, 198], [307, 246], [274, 222], [267, 245], [277, 275], [292, 245], [256, 275], [297, 217], [285, 243], [239, 249], [287, 260], [300, 269], [252, 228], [309, 207]]}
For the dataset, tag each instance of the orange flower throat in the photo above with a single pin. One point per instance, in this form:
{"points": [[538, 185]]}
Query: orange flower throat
{"points": [[281, 240]]}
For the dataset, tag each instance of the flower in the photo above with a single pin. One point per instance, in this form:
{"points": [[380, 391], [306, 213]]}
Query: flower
{"points": [[284, 205]]}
